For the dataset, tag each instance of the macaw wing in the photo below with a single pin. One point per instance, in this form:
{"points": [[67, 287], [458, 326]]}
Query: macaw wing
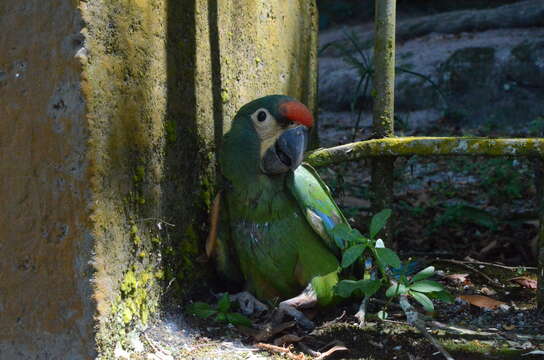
{"points": [[316, 202]]}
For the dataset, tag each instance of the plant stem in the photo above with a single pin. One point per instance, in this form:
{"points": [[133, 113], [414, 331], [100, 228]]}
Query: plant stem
{"points": [[415, 319]]}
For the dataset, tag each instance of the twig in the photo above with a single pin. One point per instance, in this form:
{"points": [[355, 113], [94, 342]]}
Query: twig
{"points": [[169, 284], [415, 319], [398, 322], [159, 351], [280, 350], [488, 334], [381, 302], [513, 268], [335, 320], [464, 264], [161, 221], [331, 351]]}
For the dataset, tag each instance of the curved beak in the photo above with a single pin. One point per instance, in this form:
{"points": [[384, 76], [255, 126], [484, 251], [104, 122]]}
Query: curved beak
{"points": [[287, 152]]}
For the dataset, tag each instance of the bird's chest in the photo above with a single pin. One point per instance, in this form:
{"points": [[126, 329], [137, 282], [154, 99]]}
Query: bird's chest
{"points": [[274, 238], [266, 226]]}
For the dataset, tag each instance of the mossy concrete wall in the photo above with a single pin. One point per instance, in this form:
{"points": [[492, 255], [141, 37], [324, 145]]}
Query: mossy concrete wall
{"points": [[111, 111]]}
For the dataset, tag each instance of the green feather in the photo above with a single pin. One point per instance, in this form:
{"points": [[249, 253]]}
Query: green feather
{"points": [[277, 225]]}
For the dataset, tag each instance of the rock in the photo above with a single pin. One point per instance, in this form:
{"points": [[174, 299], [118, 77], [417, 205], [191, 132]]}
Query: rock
{"points": [[467, 68], [483, 79], [526, 65]]}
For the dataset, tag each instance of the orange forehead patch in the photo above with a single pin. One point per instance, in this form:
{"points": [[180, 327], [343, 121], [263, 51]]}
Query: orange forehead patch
{"points": [[297, 112]]}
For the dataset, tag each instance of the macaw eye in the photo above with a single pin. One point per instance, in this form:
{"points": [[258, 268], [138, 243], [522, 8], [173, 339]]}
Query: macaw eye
{"points": [[261, 116]]}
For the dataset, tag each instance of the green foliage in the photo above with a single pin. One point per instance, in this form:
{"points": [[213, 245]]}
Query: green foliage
{"points": [[221, 312], [357, 247], [346, 288], [343, 234], [378, 222], [352, 254], [504, 178], [464, 214], [536, 127]]}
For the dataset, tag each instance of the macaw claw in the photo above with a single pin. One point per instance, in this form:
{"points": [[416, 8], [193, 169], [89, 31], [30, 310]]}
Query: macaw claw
{"points": [[297, 315], [307, 299], [248, 303]]}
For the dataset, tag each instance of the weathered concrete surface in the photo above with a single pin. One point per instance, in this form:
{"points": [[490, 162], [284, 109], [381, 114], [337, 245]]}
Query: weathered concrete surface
{"points": [[45, 237], [111, 110]]}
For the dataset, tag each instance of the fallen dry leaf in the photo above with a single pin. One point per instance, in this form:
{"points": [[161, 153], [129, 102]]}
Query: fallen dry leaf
{"points": [[509, 327], [457, 279], [482, 301], [525, 282]]}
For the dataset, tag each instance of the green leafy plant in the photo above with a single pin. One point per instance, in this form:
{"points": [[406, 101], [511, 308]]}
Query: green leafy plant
{"points": [[221, 312], [357, 250]]}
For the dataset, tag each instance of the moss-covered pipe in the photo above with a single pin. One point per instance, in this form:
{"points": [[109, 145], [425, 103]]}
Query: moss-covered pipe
{"points": [[540, 248], [383, 81], [427, 146]]}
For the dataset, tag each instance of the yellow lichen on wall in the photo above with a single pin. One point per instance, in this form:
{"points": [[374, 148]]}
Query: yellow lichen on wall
{"points": [[125, 76], [113, 110]]}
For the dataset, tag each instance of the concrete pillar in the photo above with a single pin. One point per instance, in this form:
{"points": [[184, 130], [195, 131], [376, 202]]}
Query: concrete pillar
{"points": [[110, 111]]}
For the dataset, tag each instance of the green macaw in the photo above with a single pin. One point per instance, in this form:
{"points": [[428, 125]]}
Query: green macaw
{"points": [[276, 216]]}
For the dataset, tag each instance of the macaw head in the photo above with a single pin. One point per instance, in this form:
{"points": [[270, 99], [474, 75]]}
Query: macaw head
{"points": [[268, 136]]}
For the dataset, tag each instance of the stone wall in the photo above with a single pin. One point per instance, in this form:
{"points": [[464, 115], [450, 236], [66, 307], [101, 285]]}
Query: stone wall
{"points": [[46, 238], [111, 111]]}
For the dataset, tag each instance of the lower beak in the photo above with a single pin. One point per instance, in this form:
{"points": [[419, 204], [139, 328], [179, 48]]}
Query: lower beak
{"points": [[287, 152]]}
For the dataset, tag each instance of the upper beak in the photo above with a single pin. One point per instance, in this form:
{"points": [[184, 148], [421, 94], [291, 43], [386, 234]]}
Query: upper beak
{"points": [[287, 152]]}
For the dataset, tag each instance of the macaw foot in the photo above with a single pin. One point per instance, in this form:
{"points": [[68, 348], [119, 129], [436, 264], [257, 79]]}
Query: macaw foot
{"points": [[307, 299], [248, 303], [361, 314]]}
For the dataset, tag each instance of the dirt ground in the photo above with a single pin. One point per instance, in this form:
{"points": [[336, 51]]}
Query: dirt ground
{"points": [[468, 330]]}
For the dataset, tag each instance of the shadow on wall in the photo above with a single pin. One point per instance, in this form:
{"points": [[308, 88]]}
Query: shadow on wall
{"points": [[185, 154], [202, 86]]}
